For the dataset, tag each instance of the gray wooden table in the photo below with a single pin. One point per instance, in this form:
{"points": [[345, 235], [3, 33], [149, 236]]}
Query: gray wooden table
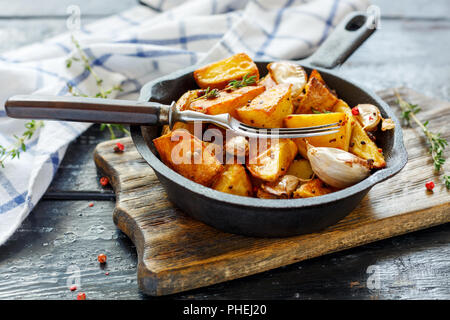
{"points": [[63, 235]]}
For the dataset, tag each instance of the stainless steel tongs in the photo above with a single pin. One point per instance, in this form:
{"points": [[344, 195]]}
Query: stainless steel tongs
{"points": [[140, 113]]}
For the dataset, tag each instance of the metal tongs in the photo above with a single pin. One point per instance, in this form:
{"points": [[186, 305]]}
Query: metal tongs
{"points": [[144, 113]]}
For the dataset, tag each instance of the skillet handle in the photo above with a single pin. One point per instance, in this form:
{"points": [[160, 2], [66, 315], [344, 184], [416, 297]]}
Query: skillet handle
{"points": [[348, 35], [87, 110]]}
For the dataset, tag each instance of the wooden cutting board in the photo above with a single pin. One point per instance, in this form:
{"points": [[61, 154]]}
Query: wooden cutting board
{"points": [[177, 253]]}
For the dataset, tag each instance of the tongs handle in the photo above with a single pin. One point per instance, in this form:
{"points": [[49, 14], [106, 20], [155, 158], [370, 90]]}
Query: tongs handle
{"points": [[87, 110]]}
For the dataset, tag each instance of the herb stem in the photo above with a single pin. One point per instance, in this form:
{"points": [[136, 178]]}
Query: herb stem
{"points": [[437, 143]]}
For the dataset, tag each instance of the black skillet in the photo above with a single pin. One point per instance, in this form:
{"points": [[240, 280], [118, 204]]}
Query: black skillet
{"points": [[253, 216]]}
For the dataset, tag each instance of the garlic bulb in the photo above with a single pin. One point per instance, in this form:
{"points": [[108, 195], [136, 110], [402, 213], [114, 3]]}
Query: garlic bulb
{"points": [[369, 116], [288, 72], [336, 167]]}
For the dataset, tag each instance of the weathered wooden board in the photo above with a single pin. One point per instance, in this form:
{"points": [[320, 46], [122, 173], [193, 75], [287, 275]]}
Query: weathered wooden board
{"points": [[177, 253]]}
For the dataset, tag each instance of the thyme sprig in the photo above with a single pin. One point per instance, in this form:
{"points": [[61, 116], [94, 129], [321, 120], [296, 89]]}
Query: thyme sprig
{"points": [[102, 92], [246, 81], [208, 94], [437, 143], [447, 181], [19, 145]]}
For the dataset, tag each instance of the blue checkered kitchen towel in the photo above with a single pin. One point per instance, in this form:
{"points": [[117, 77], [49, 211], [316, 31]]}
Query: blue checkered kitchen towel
{"points": [[132, 48]]}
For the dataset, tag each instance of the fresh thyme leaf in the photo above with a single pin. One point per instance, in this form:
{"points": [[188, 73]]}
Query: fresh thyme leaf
{"points": [[208, 94], [447, 181], [246, 81], [437, 143], [19, 145]]}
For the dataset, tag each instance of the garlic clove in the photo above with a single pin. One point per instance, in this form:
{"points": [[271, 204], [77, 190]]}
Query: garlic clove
{"points": [[336, 167], [369, 116], [283, 187], [288, 72]]}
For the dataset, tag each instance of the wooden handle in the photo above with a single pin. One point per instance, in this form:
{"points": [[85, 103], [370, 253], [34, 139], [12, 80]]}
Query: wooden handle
{"points": [[87, 110]]}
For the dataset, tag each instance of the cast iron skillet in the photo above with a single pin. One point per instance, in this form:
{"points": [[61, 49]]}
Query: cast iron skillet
{"points": [[267, 217]]}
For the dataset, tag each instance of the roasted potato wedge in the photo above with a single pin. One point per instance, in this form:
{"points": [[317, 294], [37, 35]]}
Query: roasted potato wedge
{"points": [[317, 96], [188, 156], [185, 100], [267, 82], [226, 102], [301, 169], [339, 139], [313, 188], [269, 108], [218, 74], [360, 143], [274, 161], [234, 180]]}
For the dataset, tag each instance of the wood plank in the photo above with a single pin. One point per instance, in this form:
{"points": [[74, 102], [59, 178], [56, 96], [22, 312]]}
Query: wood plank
{"points": [[33, 263], [177, 253], [77, 171]]}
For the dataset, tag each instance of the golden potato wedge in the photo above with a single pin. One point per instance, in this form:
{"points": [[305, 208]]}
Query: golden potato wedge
{"points": [[226, 102], [269, 108], [313, 188], [234, 180], [185, 100], [301, 169], [317, 75], [317, 96], [218, 74], [267, 82], [360, 143], [274, 161], [182, 104], [338, 140], [188, 156]]}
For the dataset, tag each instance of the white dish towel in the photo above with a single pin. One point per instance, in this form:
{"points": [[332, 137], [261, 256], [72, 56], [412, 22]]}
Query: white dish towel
{"points": [[132, 48]]}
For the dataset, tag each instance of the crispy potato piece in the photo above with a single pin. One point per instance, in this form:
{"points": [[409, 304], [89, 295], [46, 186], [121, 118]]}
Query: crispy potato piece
{"points": [[316, 74], [188, 156], [226, 102], [317, 96], [340, 139], [301, 169], [267, 82], [234, 180], [182, 104], [218, 74], [268, 109], [273, 162], [360, 143], [185, 100], [313, 188]]}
